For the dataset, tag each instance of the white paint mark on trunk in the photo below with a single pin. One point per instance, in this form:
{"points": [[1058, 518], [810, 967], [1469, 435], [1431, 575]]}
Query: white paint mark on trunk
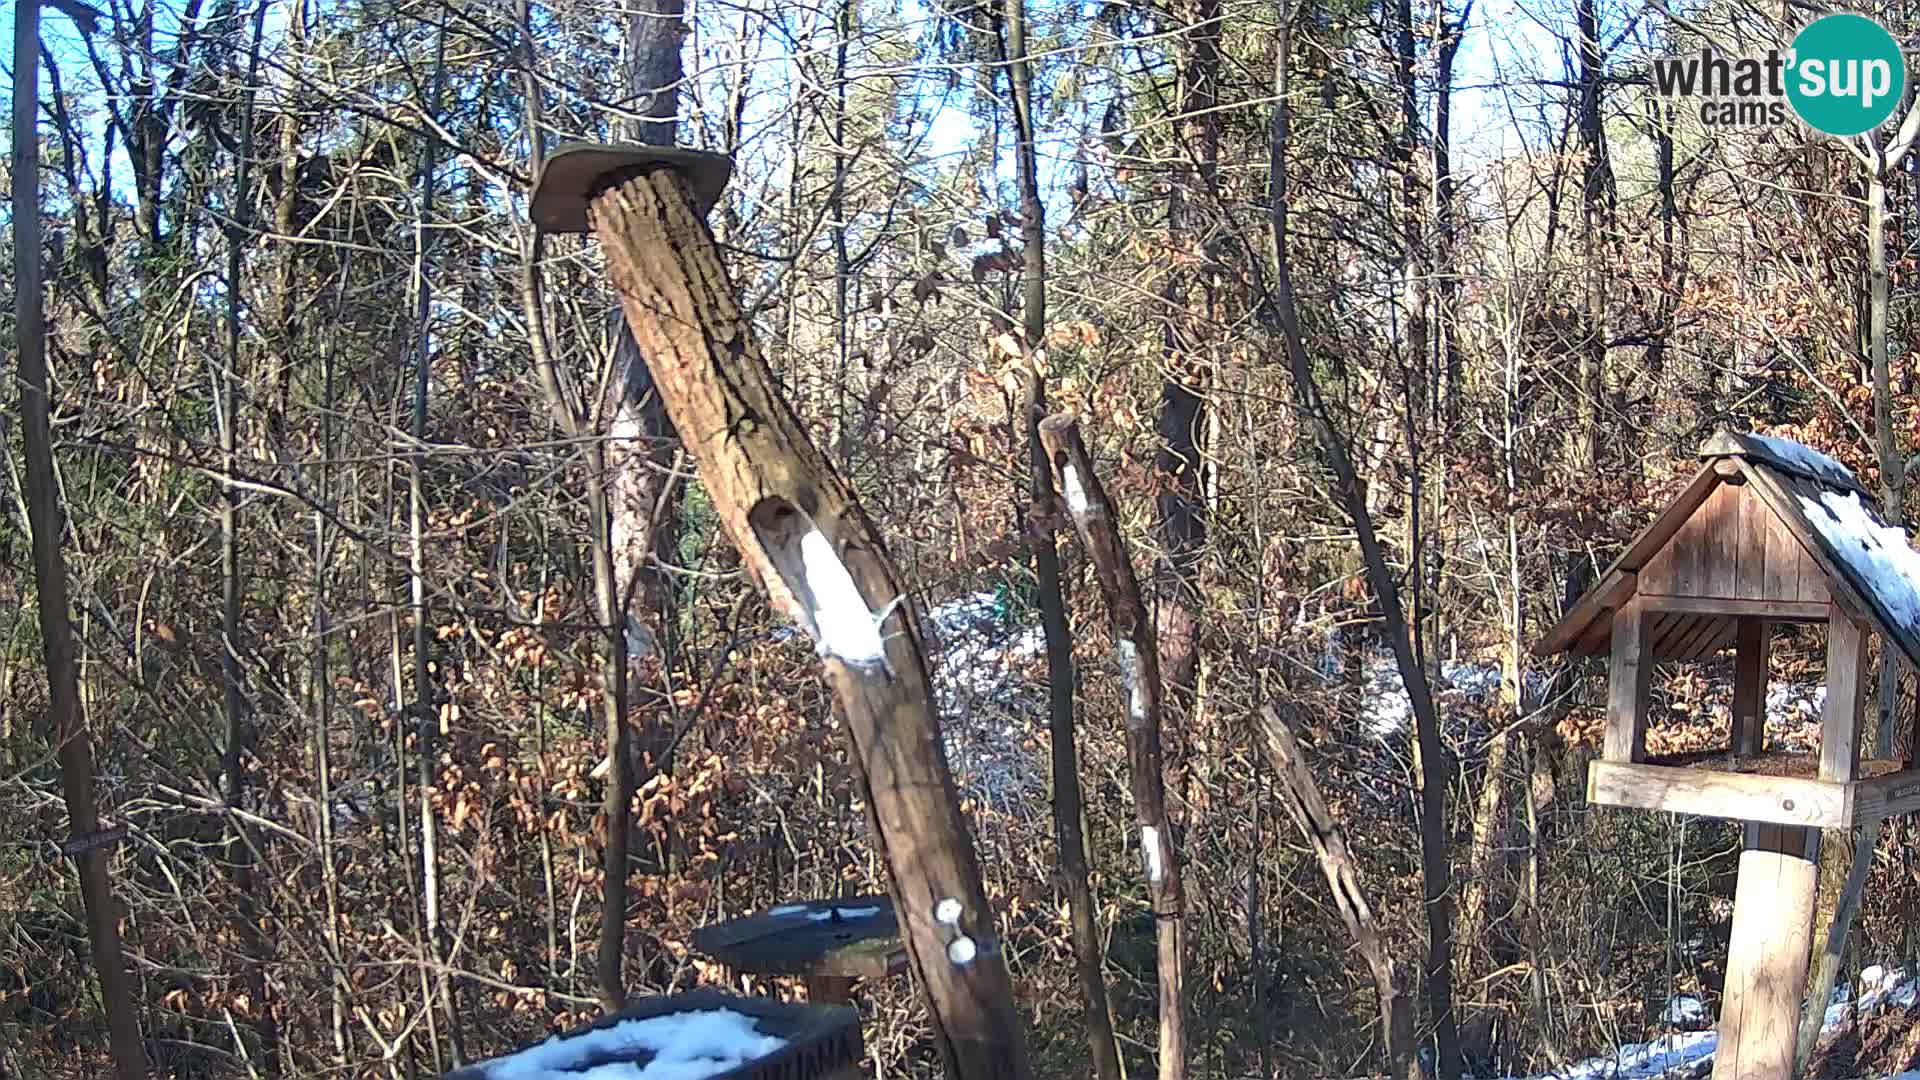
{"points": [[1150, 851], [1070, 487], [962, 950], [947, 912], [845, 626]]}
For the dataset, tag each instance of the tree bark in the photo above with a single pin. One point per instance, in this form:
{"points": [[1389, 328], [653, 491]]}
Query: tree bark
{"points": [[807, 542], [44, 514], [1301, 798], [1067, 808], [1434, 769], [1138, 655], [1596, 216]]}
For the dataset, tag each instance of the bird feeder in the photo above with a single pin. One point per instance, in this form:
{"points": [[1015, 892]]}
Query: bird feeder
{"points": [[1767, 532], [698, 1033], [828, 943]]}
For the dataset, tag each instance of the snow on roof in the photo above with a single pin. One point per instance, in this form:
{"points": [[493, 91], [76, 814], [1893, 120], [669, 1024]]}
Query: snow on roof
{"points": [[1875, 554], [680, 1046], [1803, 459]]}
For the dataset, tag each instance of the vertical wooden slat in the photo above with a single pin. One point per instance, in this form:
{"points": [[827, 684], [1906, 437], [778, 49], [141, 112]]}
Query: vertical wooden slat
{"points": [[1629, 676], [1767, 954], [1656, 577], [1685, 551], [1751, 542], [1846, 697], [1720, 553], [1783, 561], [1751, 639]]}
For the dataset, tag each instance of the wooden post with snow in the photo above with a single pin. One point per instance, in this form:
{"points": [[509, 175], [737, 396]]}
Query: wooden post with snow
{"points": [[1767, 532], [1138, 655], [805, 539]]}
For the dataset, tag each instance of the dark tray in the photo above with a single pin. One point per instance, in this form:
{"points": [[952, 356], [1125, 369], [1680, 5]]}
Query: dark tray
{"points": [[820, 1038]]}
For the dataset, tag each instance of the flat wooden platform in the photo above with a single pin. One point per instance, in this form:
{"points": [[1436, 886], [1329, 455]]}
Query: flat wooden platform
{"points": [[854, 937], [1778, 788]]}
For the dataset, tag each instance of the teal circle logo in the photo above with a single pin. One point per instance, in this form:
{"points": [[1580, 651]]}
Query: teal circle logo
{"points": [[1848, 74]]}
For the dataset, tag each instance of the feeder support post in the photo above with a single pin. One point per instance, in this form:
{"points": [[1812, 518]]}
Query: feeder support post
{"points": [[805, 539]]}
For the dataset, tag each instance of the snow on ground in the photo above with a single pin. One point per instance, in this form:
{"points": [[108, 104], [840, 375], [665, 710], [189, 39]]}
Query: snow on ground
{"points": [[679, 1046], [989, 698], [1685, 1052]]}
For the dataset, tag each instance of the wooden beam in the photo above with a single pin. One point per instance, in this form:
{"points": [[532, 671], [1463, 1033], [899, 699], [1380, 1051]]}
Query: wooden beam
{"points": [[1629, 677], [1846, 698], [1767, 954], [806, 540], [1887, 796], [1773, 610], [1783, 800], [1751, 639], [1788, 508]]}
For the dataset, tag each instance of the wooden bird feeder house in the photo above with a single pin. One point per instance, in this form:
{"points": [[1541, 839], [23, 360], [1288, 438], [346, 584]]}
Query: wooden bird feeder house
{"points": [[1767, 532]]}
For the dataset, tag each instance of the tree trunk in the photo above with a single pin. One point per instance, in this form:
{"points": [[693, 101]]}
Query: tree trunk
{"points": [[1067, 810], [1596, 215], [1138, 655], [806, 541], [1434, 769], [87, 844], [1301, 797]]}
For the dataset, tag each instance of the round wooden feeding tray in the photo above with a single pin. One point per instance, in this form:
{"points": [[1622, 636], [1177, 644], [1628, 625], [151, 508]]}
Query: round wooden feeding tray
{"points": [[684, 1032], [829, 943]]}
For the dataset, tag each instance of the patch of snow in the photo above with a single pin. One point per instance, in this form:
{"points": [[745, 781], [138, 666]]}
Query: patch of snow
{"points": [[1877, 553], [1805, 459], [680, 1046], [1682, 1052], [989, 695], [1687, 1012], [787, 909]]}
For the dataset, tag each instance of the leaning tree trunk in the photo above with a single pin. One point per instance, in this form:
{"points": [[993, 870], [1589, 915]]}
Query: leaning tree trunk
{"points": [[807, 542], [1137, 652], [87, 844]]}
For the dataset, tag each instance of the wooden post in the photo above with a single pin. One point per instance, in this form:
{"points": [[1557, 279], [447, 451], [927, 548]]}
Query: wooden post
{"points": [[830, 989], [1138, 655], [1846, 697], [1767, 954], [1629, 679], [1751, 638], [805, 539]]}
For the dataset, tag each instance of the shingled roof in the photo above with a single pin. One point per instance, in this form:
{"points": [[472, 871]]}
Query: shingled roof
{"points": [[1867, 566]]}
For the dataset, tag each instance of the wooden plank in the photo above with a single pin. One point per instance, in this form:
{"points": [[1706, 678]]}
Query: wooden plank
{"points": [[1720, 640], [1699, 638], [1887, 796], [1663, 635], [1751, 530], [1685, 550], [1629, 677], [1752, 636], [1771, 610], [1767, 955], [1846, 698], [1814, 558], [1657, 575], [1783, 800], [1720, 544], [1782, 578]]}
